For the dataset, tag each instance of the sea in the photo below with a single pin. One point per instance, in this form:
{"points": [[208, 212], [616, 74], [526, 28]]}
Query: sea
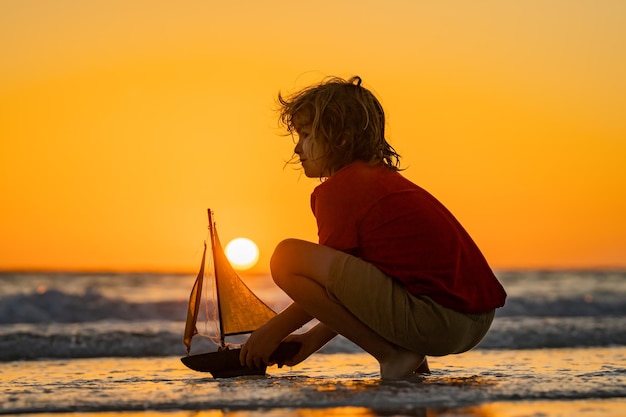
{"points": [[104, 344]]}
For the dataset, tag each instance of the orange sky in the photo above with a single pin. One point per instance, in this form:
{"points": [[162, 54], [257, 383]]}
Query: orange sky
{"points": [[122, 121]]}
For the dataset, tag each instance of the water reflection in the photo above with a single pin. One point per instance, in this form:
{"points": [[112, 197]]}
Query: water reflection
{"points": [[579, 408]]}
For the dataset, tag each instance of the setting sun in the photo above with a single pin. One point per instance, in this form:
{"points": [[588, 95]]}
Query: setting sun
{"points": [[242, 253], [121, 121]]}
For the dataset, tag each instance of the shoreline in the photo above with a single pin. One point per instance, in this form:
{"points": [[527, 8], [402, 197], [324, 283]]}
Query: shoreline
{"points": [[546, 382], [611, 407]]}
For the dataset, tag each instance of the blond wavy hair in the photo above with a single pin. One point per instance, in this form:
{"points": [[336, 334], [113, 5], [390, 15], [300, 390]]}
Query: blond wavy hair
{"points": [[347, 120]]}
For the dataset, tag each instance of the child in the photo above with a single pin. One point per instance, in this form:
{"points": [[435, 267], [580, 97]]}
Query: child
{"points": [[394, 272]]}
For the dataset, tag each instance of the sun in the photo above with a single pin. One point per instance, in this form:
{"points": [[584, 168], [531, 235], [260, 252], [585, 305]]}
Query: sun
{"points": [[242, 253]]}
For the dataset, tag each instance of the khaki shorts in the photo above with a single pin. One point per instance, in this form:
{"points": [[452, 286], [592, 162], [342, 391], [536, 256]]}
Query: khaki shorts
{"points": [[416, 323]]}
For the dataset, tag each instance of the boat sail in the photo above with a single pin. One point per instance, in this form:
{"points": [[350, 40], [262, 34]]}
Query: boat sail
{"points": [[239, 311]]}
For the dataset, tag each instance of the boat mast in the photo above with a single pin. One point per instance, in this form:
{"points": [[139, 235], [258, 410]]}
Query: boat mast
{"points": [[217, 293]]}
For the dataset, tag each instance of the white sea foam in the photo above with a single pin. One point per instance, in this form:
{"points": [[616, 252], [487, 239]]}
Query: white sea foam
{"points": [[134, 315], [559, 339], [324, 382]]}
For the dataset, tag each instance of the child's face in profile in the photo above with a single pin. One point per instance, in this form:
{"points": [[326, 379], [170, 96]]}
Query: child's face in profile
{"points": [[309, 149]]}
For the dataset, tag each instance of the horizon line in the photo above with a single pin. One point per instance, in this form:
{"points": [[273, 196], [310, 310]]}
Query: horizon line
{"points": [[143, 271]]}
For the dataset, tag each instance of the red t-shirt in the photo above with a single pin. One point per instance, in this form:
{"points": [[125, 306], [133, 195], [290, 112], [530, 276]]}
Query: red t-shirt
{"points": [[376, 214]]}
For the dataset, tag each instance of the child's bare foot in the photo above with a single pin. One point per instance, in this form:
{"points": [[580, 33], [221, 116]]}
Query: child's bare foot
{"points": [[403, 364]]}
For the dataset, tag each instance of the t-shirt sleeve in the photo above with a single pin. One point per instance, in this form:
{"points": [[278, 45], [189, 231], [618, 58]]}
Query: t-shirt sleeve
{"points": [[337, 218]]}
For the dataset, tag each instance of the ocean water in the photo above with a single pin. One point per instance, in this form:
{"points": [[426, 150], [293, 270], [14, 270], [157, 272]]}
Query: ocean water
{"points": [[111, 343]]}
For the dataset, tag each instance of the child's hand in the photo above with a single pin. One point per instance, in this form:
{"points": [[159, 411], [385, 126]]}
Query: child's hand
{"points": [[310, 342], [258, 348], [305, 348], [284, 352]]}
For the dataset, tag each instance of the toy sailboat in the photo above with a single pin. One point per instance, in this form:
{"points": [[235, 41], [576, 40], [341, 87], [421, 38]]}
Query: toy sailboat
{"points": [[239, 311]]}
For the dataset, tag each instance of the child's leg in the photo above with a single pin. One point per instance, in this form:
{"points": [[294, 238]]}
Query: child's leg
{"points": [[301, 269]]}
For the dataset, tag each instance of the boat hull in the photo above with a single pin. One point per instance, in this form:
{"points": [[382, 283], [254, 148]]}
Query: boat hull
{"points": [[225, 363]]}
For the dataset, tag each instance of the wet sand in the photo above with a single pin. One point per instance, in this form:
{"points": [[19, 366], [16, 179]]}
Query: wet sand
{"points": [[538, 382]]}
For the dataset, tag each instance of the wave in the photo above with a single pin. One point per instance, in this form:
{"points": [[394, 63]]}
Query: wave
{"points": [[55, 306], [66, 323], [144, 339], [55, 324]]}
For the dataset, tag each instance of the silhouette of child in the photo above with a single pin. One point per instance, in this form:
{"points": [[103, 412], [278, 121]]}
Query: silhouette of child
{"points": [[394, 271]]}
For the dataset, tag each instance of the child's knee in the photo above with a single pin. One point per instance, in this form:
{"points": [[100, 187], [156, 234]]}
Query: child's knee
{"points": [[279, 261]]}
